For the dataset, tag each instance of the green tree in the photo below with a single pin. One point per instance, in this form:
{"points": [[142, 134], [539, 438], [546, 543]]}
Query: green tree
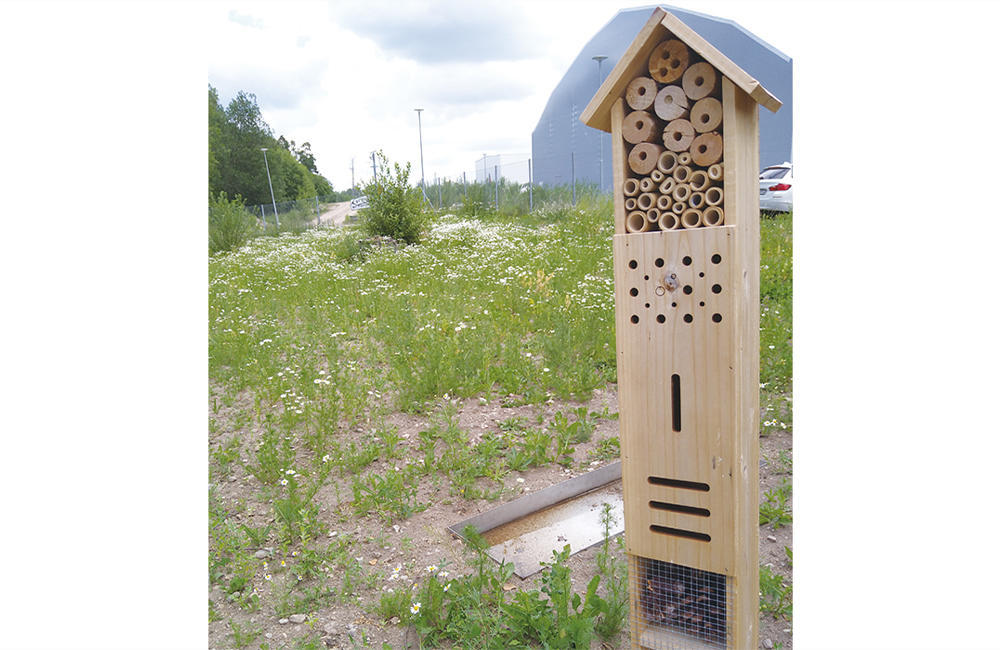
{"points": [[236, 165]]}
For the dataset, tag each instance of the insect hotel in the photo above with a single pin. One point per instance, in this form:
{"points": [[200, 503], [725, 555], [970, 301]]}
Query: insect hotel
{"points": [[683, 120]]}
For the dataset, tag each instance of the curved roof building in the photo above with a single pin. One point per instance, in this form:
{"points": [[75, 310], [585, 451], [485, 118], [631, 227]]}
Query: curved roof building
{"points": [[562, 145]]}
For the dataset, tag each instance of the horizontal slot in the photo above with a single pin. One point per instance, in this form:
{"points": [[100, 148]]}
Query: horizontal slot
{"points": [[677, 532], [676, 483], [673, 507]]}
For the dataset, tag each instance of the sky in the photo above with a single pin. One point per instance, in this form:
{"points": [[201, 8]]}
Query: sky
{"points": [[346, 76]]}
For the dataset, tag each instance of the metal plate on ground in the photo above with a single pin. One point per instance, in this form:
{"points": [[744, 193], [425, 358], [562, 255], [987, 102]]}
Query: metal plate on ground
{"points": [[525, 531]]}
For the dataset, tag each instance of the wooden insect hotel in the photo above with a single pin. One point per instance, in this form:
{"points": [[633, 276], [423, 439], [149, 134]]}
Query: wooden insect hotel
{"points": [[683, 120]]}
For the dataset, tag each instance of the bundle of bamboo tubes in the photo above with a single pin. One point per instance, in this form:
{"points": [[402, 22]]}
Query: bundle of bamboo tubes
{"points": [[674, 142]]}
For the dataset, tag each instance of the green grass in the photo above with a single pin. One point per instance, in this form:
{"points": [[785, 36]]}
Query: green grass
{"points": [[316, 339]]}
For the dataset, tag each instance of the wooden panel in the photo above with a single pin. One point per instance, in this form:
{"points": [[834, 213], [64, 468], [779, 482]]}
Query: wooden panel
{"points": [[742, 166], [700, 353], [618, 164]]}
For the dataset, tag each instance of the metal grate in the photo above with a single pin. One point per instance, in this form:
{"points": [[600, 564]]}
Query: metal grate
{"points": [[675, 606]]}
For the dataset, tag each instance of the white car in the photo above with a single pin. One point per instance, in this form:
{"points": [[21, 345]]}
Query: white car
{"points": [[776, 188]]}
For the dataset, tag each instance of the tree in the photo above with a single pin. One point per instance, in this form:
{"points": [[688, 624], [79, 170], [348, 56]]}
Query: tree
{"points": [[236, 165]]}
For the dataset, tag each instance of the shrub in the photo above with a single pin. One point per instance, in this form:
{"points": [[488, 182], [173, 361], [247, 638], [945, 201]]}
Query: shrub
{"points": [[229, 223], [394, 207]]}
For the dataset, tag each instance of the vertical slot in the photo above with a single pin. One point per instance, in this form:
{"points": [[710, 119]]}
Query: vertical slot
{"points": [[675, 400]]}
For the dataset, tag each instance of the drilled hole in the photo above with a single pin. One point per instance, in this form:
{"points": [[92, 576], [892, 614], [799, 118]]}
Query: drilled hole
{"points": [[633, 292], [660, 318], [633, 264], [686, 261], [647, 305], [659, 261], [716, 318], [716, 258], [688, 318], [688, 289], [635, 319], [701, 303], [716, 288]]}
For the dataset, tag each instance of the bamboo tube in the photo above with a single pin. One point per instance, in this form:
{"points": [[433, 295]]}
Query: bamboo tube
{"points": [[681, 193], [713, 196], [700, 80], [667, 186], [653, 216], [706, 114], [668, 61], [647, 185], [630, 203], [682, 173], [663, 202], [697, 200], [678, 207], [640, 126], [678, 135], [645, 201], [669, 221], [691, 218], [715, 172], [666, 162], [706, 149], [699, 180], [640, 93], [684, 158], [713, 216], [657, 176], [636, 222], [630, 187], [643, 157], [670, 103]]}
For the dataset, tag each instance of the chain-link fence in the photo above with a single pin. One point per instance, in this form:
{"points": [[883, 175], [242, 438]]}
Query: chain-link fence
{"points": [[297, 215], [507, 188]]}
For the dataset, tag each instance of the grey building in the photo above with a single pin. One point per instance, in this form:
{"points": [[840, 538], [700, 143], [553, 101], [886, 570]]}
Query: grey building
{"points": [[560, 142]]}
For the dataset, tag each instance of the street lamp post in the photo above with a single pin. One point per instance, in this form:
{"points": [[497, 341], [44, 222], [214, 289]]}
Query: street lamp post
{"points": [[600, 58], [273, 204], [420, 132]]}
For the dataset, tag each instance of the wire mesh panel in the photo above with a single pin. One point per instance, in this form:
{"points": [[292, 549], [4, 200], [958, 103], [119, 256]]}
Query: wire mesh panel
{"points": [[677, 607]]}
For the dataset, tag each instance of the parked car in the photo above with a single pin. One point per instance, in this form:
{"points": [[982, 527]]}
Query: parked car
{"points": [[776, 188]]}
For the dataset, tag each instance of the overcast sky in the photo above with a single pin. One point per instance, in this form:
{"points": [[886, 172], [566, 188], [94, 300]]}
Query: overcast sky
{"points": [[346, 76]]}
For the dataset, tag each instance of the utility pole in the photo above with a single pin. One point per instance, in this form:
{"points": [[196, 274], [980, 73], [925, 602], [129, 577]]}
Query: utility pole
{"points": [[353, 191], [374, 173]]}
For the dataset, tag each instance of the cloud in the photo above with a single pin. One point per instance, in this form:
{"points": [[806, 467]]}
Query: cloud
{"points": [[439, 32], [459, 86], [246, 20]]}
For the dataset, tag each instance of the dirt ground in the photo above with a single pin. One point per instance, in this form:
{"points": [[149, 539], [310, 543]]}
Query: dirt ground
{"points": [[336, 214], [423, 538]]}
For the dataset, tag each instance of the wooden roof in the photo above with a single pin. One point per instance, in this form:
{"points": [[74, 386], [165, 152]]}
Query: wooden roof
{"points": [[633, 63]]}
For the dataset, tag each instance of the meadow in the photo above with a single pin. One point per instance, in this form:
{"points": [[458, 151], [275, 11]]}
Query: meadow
{"points": [[364, 394]]}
